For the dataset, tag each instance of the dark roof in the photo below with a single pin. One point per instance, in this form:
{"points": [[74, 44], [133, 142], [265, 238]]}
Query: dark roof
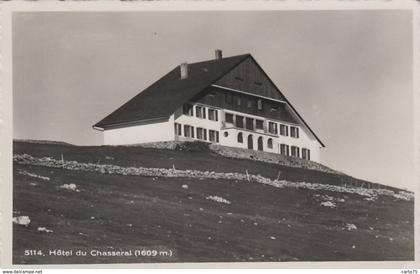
{"points": [[162, 98]]}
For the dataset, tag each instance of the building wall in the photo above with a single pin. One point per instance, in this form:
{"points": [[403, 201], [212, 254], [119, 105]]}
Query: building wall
{"points": [[228, 133], [144, 133]]}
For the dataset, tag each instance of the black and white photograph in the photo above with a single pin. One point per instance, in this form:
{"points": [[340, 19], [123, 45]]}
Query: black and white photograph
{"points": [[213, 136]]}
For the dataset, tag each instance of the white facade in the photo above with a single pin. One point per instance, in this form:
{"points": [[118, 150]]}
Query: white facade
{"points": [[224, 133], [228, 132], [143, 133]]}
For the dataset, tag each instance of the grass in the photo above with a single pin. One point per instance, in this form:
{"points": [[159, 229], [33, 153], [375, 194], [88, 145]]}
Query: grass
{"points": [[261, 223]]}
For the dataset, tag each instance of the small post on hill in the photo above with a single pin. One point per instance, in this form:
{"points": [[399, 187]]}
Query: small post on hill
{"points": [[278, 175], [62, 161]]}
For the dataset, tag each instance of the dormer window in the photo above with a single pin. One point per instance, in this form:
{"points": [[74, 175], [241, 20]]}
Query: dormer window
{"points": [[187, 109], [229, 98], [259, 104], [249, 103]]}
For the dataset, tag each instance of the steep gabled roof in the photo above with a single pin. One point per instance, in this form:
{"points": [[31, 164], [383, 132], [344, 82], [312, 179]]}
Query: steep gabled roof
{"points": [[166, 95], [163, 97]]}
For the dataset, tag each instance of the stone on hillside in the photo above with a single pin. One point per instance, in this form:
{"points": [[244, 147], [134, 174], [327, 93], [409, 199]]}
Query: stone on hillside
{"points": [[44, 229], [71, 187], [22, 220]]}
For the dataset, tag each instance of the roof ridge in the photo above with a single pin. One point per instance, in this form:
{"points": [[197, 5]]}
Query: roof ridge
{"points": [[224, 58]]}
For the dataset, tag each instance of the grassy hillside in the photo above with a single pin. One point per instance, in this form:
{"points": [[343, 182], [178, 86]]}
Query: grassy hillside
{"points": [[195, 219]]}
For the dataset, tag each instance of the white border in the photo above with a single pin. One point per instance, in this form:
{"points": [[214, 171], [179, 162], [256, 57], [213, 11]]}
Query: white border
{"points": [[6, 111]]}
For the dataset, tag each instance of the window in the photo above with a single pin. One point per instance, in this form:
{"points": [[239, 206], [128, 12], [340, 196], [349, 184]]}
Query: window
{"points": [[259, 104], [238, 100], [229, 118], [272, 127], [294, 132], [250, 142], [239, 78], [284, 130], [226, 134], [306, 154], [212, 95], [260, 143], [178, 129], [187, 109], [200, 112], [229, 98], [240, 137], [239, 121], [249, 123], [213, 114], [258, 83], [188, 131], [201, 134], [295, 151], [274, 108], [284, 149], [250, 103], [270, 143], [259, 124], [213, 136]]}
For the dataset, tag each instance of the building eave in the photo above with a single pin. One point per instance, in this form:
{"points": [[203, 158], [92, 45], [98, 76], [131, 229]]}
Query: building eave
{"points": [[248, 93], [130, 123]]}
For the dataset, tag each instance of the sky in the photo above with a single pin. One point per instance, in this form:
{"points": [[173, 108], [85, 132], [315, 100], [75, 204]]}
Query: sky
{"points": [[348, 73]]}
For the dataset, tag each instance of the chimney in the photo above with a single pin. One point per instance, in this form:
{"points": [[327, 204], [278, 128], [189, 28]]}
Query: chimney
{"points": [[184, 70], [218, 53]]}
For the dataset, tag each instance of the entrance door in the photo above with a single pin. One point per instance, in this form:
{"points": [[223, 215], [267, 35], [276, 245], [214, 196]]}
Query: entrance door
{"points": [[250, 142], [260, 143]]}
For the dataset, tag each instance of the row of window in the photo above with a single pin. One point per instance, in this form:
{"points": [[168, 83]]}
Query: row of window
{"points": [[250, 103], [295, 151], [253, 124], [284, 149], [201, 133], [240, 139], [200, 112]]}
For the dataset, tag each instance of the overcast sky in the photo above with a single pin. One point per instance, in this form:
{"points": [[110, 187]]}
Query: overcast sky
{"points": [[348, 73]]}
